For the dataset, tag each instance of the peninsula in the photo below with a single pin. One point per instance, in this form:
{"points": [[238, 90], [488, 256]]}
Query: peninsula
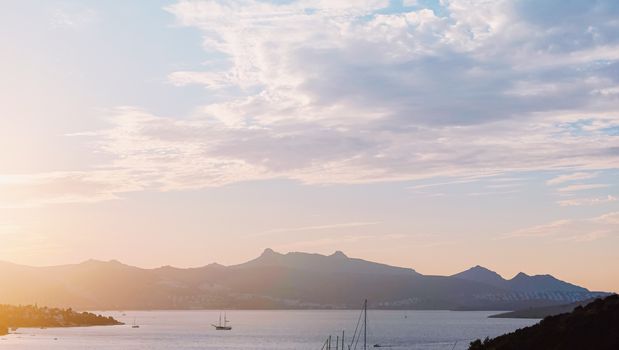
{"points": [[35, 316]]}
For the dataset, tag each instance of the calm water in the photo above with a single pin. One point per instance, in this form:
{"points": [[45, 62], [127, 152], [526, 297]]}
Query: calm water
{"points": [[304, 330]]}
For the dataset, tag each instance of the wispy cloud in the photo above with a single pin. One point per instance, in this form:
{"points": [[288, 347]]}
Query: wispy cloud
{"points": [[72, 17], [547, 229], [586, 237], [491, 193], [608, 218], [420, 240], [574, 230], [576, 202], [571, 177], [505, 185], [337, 241], [582, 187], [445, 183], [318, 227], [34, 190], [168, 154]]}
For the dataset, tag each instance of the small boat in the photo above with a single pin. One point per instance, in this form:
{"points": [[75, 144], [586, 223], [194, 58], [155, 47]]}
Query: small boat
{"points": [[135, 325], [224, 326]]}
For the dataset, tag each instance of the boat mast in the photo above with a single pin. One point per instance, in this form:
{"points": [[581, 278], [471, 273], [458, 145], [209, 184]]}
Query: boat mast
{"points": [[365, 324]]}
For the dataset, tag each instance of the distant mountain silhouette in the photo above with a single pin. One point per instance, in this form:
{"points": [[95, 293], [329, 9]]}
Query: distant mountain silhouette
{"points": [[274, 280], [595, 326], [337, 262], [520, 283]]}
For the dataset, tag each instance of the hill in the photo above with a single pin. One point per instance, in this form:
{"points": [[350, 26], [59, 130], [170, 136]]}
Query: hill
{"points": [[272, 280], [594, 326]]}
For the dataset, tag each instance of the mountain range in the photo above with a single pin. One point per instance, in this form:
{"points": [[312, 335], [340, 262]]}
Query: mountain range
{"points": [[520, 283], [277, 281]]}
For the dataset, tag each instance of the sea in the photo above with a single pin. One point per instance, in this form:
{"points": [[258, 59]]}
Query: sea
{"points": [[253, 330]]}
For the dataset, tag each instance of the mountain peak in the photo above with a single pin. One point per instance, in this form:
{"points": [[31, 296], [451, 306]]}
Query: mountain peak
{"points": [[526, 283], [339, 254], [521, 275], [94, 263], [480, 268], [269, 252], [479, 273]]}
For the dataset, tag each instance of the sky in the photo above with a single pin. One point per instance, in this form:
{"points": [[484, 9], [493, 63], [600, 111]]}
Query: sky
{"points": [[432, 134]]}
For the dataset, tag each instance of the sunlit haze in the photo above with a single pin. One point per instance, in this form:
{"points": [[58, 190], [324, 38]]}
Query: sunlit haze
{"points": [[430, 134]]}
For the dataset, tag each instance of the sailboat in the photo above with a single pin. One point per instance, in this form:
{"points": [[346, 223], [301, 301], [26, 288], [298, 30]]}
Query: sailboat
{"points": [[135, 325], [224, 326]]}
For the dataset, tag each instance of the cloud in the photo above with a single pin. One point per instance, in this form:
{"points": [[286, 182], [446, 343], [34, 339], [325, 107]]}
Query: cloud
{"points": [[368, 95], [422, 240], [72, 17], [446, 183], [167, 154], [336, 241], [574, 230], [34, 190], [208, 79], [582, 187], [414, 67], [570, 177], [609, 218], [491, 193], [586, 201], [318, 227], [344, 92]]}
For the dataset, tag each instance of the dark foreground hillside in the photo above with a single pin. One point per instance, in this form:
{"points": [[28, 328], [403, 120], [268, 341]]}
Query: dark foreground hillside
{"points": [[594, 326]]}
